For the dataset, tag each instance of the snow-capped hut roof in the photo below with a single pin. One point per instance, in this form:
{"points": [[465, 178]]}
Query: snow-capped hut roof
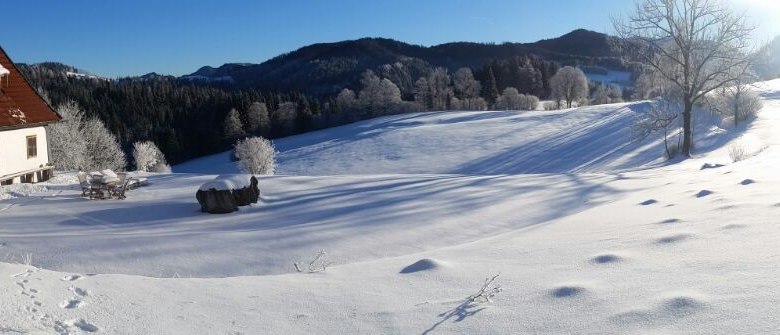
{"points": [[20, 104]]}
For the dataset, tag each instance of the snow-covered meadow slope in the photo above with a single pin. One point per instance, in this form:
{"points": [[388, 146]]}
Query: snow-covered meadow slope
{"points": [[590, 234]]}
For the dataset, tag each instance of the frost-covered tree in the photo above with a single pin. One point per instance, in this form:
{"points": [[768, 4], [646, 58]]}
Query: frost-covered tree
{"points": [[600, 96], [346, 105], [466, 87], [284, 118], [422, 94], [67, 142], [439, 88], [233, 127], [257, 119], [103, 149], [378, 95], [569, 84], [256, 155], [149, 158], [695, 46]]}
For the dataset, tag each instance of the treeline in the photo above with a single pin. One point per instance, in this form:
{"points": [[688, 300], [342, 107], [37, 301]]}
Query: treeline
{"points": [[184, 119], [191, 119]]}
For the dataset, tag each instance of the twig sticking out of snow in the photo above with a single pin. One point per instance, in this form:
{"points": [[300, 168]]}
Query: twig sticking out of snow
{"points": [[318, 264], [488, 290]]}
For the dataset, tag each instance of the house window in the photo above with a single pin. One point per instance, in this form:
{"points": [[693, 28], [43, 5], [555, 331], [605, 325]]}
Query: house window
{"points": [[32, 147]]}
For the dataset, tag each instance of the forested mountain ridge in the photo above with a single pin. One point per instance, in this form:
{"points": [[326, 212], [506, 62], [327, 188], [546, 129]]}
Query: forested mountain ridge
{"points": [[326, 68]]}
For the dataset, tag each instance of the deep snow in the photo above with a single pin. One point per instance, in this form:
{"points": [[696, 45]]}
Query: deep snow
{"points": [[631, 246]]}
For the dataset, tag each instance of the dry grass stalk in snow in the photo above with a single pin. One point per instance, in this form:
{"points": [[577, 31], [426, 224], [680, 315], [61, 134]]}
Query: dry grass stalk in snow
{"points": [[318, 264], [488, 290]]}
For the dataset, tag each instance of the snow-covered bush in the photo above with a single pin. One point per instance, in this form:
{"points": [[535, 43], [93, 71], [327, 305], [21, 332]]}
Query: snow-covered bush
{"points": [[149, 158], [256, 155], [550, 105]]}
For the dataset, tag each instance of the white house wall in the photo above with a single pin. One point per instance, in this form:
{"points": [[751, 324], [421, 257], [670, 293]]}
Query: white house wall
{"points": [[13, 150]]}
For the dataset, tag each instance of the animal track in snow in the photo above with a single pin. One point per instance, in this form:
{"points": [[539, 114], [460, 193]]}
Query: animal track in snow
{"points": [[747, 182], [71, 304], [703, 193]]}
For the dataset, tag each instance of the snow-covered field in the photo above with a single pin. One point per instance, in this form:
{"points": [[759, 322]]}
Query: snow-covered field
{"points": [[589, 233]]}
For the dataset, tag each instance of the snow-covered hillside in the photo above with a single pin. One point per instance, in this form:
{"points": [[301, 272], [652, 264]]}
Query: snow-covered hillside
{"points": [[589, 233], [587, 139]]}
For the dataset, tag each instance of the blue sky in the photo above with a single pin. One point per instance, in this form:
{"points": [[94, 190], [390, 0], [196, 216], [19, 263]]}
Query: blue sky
{"points": [[121, 38]]}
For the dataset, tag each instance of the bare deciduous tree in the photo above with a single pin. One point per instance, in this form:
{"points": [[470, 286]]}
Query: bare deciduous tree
{"points": [[696, 46]]}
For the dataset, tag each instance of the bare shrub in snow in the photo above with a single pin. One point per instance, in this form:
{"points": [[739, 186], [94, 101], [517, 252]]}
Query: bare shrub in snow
{"points": [[737, 152], [663, 116], [569, 84], [317, 264], [488, 290], [256, 155], [550, 106], [737, 102], [149, 158]]}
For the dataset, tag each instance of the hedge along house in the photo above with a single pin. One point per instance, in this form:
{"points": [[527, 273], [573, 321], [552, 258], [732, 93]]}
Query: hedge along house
{"points": [[24, 155]]}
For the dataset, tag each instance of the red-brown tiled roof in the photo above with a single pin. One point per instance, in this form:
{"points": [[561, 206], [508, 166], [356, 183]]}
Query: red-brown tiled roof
{"points": [[20, 104]]}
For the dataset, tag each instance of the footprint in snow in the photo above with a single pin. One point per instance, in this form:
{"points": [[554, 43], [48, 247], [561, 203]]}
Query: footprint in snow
{"points": [[648, 202], [734, 226], [71, 304], [606, 259], [567, 291], [674, 238], [71, 278], [703, 193], [79, 291], [670, 221], [747, 182], [66, 326]]}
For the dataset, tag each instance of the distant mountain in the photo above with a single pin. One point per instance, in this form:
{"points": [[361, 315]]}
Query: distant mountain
{"points": [[326, 68]]}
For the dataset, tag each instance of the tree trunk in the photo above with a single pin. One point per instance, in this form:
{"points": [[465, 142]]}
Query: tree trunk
{"points": [[687, 130]]}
